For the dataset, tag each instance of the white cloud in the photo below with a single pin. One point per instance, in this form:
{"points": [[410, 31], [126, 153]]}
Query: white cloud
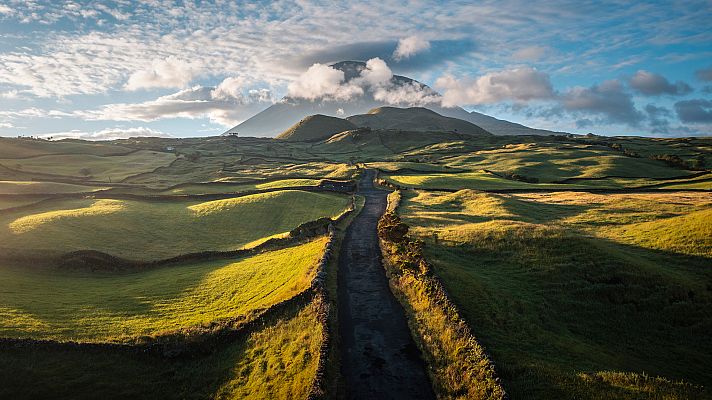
{"points": [[531, 53], [227, 104], [107, 134], [5, 10], [652, 84], [409, 47], [170, 72], [376, 74], [376, 79], [409, 94], [10, 94], [519, 84], [322, 81], [607, 99]]}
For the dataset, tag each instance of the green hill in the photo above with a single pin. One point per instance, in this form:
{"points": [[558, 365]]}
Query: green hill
{"points": [[413, 119], [315, 127]]}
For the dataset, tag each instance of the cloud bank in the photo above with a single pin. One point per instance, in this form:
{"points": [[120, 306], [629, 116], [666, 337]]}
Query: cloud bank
{"points": [[519, 84], [651, 84]]}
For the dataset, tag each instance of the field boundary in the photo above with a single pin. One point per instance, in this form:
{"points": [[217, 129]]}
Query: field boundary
{"points": [[93, 260], [458, 365], [344, 187], [195, 341]]}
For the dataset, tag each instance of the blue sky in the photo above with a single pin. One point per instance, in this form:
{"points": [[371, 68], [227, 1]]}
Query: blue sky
{"points": [[154, 67]]}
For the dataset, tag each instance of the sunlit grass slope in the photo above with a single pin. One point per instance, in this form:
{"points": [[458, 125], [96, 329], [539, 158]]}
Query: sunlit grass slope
{"points": [[154, 230], [243, 187], [472, 180], [560, 302], [98, 307], [101, 168], [548, 162], [276, 362]]}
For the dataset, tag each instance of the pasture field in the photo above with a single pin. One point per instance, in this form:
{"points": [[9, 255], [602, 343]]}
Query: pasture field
{"points": [[146, 230], [278, 361], [91, 306], [226, 187], [24, 148], [89, 166], [34, 187], [455, 181], [549, 163], [577, 295], [574, 285]]}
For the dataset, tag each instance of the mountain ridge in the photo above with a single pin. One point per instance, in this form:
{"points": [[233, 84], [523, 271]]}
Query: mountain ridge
{"points": [[289, 110]]}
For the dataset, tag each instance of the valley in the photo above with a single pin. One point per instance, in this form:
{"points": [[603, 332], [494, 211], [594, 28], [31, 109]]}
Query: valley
{"points": [[354, 257]]}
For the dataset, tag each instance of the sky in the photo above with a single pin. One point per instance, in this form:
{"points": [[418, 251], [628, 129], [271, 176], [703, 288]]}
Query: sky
{"points": [[109, 69]]}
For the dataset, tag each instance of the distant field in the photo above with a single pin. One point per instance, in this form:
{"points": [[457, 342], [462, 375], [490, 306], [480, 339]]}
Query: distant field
{"points": [[154, 230], [100, 168], [469, 180], [278, 361], [551, 163], [16, 202], [44, 304], [30, 187], [561, 288], [22, 148], [673, 222], [238, 187]]}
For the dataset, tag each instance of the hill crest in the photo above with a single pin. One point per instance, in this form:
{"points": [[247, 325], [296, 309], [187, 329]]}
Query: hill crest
{"points": [[316, 127]]}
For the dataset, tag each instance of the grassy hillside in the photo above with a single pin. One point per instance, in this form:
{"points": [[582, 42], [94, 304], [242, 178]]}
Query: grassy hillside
{"points": [[413, 119], [559, 305], [278, 361], [100, 168], [43, 304], [23, 148], [155, 230], [316, 127], [34, 187], [550, 163], [243, 187]]}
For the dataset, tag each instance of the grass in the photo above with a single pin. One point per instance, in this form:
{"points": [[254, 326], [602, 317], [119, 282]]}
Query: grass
{"points": [[686, 234], [22, 148], [278, 361], [470, 180], [17, 202], [34, 187], [99, 168], [43, 304], [673, 222], [156, 230], [238, 187], [551, 162], [556, 303]]}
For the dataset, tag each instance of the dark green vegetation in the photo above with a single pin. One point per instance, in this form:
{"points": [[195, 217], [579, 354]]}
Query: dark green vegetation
{"points": [[413, 119], [580, 264], [315, 128], [277, 361], [560, 297]]}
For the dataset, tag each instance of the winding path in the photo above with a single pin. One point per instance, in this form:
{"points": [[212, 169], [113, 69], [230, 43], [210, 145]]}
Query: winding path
{"points": [[379, 358]]}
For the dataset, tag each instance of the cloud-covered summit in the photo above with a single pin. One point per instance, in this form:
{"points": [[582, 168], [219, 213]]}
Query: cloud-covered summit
{"points": [[75, 57]]}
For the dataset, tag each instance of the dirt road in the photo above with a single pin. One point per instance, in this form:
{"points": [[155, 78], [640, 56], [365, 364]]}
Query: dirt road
{"points": [[379, 358]]}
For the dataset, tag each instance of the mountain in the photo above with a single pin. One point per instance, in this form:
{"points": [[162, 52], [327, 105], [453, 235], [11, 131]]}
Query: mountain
{"points": [[413, 119], [316, 127], [288, 111]]}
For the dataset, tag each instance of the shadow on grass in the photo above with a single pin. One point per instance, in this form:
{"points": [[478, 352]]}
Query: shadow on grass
{"points": [[551, 306], [73, 373]]}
